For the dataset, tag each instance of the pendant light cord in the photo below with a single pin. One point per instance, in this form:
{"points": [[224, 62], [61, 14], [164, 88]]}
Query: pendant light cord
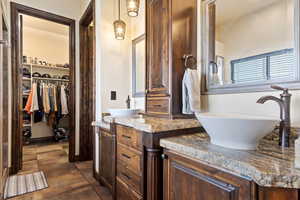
{"points": [[119, 9]]}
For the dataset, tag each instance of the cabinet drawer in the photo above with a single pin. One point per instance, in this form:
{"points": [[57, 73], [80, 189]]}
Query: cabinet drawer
{"points": [[158, 105], [125, 193], [130, 158], [130, 178], [130, 137]]}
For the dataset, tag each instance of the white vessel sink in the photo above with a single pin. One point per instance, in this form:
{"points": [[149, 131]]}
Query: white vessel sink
{"points": [[123, 112], [236, 131]]}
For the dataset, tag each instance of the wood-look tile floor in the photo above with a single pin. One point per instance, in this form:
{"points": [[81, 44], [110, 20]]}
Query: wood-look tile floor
{"points": [[67, 181]]}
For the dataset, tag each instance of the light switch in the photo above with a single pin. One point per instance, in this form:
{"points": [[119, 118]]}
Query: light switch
{"points": [[113, 95]]}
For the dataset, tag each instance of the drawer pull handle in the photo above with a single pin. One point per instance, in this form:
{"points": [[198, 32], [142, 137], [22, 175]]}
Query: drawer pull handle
{"points": [[125, 175], [157, 106], [126, 136], [126, 156]]}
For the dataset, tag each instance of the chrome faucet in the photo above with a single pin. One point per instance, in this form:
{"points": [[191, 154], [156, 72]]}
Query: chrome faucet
{"points": [[285, 120]]}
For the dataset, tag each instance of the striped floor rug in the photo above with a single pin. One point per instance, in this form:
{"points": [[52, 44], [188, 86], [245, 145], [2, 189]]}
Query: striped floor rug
{"points": [[22, 184]]}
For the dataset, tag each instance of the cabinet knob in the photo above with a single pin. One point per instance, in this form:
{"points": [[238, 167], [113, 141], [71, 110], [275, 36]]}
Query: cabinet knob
{"points": [[164, 156]]}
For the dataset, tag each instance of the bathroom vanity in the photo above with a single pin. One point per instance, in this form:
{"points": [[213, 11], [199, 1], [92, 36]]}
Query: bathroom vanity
{"points": [[154, 158], [127, 156], [194, 166]]}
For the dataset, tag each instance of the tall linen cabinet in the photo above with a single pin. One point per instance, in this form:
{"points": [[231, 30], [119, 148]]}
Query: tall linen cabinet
{"points": [[171, 31]]}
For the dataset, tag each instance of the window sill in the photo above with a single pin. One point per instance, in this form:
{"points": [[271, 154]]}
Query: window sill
{"points": [[250, 88]]}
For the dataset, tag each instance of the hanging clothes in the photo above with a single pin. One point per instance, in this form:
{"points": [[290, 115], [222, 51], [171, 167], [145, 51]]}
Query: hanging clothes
{"points": [[35, 104], [55, 98], [64, 104], [29, 103], [46, 100], [39, 114]]}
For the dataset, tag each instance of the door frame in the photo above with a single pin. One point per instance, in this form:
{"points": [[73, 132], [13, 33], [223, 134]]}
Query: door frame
{"points": [[87, 113], [16, 9]]}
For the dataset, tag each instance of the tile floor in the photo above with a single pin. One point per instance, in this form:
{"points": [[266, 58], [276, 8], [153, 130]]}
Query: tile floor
{"points": [[67, 181]]}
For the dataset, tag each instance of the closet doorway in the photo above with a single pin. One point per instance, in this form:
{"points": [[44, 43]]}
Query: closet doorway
{"points": [[87, 81], [43, 69]]}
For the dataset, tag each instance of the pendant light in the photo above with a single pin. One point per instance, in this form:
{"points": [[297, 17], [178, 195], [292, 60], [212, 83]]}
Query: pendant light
{"points": [[120, 27], [133, 8]]}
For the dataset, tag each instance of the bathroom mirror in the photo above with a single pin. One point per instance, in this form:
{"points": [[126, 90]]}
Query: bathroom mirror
{"points": [[248, 45], [138, 66]]}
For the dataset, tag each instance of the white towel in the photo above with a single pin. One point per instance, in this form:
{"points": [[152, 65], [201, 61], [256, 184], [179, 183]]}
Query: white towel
{"points": [[191, 92]]}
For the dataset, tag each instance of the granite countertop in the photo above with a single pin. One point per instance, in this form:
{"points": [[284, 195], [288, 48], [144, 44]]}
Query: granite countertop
{"points": [[268, 166], [152, 124], [101, 124]]}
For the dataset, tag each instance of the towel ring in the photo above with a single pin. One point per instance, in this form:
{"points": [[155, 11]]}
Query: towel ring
{"points": [[188, 64]]}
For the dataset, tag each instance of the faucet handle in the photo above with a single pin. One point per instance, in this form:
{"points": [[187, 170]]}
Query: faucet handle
{"points": [[276, 87]]}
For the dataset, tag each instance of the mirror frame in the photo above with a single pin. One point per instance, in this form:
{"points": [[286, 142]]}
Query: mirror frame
{"points": [[249, 87], [137, 40]]}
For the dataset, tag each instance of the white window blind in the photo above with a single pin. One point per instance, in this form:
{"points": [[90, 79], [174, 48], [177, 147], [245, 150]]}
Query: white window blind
{"points": [[283, 66], [277, 65]]}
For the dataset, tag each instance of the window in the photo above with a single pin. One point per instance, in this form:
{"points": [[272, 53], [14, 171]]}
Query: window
{"points": [[273, 66]]}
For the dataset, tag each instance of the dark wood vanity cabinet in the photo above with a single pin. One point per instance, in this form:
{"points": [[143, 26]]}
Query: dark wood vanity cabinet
{"points": [[171, 32], [107, 158], [157, 45], [107, 154], [185, 178], [129, 164], [139, 164]]}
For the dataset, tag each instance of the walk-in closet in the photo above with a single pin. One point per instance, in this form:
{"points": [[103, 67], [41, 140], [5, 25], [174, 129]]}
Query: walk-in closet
{"points": [[45, 83]]}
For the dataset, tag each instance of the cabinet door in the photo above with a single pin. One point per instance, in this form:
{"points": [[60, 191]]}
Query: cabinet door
{"points": [[158, 47], [185, 179], [126, 193], [107, 157]]}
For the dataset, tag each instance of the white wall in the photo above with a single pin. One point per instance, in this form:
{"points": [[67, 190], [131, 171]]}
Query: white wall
{"points": [[245, 103], [114, 61], [52, 47], [83, 5]]}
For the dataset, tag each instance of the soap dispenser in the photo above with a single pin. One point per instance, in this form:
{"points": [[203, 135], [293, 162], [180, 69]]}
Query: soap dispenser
{"points": [[128, 102]]}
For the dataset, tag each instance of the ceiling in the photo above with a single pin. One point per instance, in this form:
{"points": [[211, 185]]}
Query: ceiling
{"points": [[228, 10], [45, 25]]}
